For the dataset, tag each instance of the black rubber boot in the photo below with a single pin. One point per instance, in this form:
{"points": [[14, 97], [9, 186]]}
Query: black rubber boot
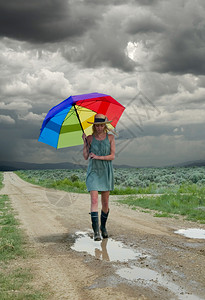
{"points": [[95, 225], [103, 219]]}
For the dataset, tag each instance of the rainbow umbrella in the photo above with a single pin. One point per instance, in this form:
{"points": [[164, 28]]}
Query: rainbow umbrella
{"points": [[64, 124]]}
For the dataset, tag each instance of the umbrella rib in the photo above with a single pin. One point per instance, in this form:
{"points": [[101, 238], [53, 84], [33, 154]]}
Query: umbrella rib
{"points": [[81, 127], [78, 118], [84, 109]]}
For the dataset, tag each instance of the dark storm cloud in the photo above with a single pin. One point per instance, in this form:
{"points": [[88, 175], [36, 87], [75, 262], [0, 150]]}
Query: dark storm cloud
{"points": [[119, 2], [144, 24], [100, 51], [146, 2], [108, 50], [104, 45], [105, 2], [189, 132], [57, 21], [43, 21], [15, 135], [179, 43], [181, 49], [183, 53]]}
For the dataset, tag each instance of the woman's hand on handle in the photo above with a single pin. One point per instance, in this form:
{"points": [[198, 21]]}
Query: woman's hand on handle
{"points": [[93, 156]]}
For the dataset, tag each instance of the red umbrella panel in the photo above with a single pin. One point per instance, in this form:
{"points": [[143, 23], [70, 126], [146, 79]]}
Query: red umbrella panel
{"points": [[64, 124]]}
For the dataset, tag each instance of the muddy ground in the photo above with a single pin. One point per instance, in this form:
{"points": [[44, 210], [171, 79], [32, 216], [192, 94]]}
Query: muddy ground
{"points": [[167, 265]]}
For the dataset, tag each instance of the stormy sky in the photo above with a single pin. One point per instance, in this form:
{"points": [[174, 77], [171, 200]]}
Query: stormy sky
{"points": [[147, 54]]}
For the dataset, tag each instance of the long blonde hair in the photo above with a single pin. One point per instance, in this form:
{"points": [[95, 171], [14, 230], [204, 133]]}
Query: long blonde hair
{"points": [[105, 129]]}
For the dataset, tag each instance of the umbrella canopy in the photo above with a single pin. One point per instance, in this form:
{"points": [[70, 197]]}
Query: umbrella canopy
{"points": [[65, 122]]}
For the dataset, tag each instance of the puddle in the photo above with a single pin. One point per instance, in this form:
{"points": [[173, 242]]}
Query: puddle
{"points": [[111, 250], [149, 278], [193, 233], [106, 249]]}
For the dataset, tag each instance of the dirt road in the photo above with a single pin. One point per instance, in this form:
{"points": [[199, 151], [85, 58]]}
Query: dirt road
{"points": [[165, 265]]}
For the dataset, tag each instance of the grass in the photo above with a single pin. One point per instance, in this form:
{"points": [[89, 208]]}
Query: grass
{"points": [[14, 285], [1, 180], [151, 189], [15, 282], [66, 184], [11, 237], [69, 185], [190, 205]]}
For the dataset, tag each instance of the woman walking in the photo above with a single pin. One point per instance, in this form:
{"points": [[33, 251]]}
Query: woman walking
{"points": [[99, 148]]}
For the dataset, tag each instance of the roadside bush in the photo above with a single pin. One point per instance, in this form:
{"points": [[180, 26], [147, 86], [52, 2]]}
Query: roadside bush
{"points": [[74, 178]]}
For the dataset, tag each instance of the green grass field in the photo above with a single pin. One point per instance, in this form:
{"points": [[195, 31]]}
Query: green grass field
{"points": [[126, 181], [190, 205]]}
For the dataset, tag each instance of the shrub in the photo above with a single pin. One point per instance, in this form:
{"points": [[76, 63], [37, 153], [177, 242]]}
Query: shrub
{"points": [[74, 178]]}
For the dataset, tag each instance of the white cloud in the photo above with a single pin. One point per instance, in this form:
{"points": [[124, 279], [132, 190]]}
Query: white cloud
{"points": [[107, 81], [178, 118], [13, 54], [15, 106], [137, 51], [16, 87], [178, 129], [41, 82], [48, 82], [34, 73], [6, 120], [32, 117]]}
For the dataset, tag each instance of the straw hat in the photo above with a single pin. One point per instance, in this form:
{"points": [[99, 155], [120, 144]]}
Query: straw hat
{"points": [[100, 119]]}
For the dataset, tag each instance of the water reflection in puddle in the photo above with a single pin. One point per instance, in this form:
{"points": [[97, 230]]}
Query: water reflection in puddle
{"points": [[107, 249], [111, 250], [148, 278], [193, 233]]}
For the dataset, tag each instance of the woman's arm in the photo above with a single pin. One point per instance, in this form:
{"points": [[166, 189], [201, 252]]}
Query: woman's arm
{"points": [[86, 147], [111, 156]]}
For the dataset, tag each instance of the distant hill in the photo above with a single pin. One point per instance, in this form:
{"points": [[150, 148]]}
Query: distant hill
{"points": [[196, 163], [14, 166]]}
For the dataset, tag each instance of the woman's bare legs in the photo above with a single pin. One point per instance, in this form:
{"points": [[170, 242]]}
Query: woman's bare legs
{"points": [[94, 200], [105, 201]]}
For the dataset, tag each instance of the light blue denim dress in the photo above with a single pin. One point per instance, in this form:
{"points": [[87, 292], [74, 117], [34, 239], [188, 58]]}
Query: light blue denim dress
{"points": [[100, 172]]}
